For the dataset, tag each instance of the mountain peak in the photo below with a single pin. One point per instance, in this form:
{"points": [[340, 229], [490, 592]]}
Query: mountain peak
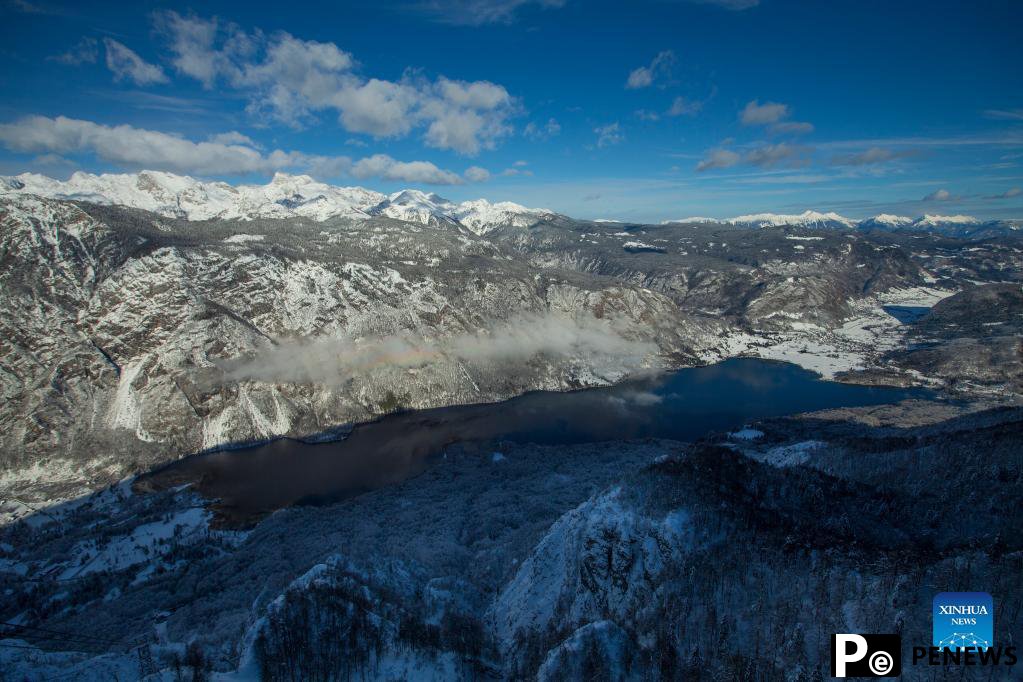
{"points": [[887, 219], [417, 196]]}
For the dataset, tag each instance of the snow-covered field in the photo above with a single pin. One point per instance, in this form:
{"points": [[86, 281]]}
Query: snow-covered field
{"points": [[868, 333]]}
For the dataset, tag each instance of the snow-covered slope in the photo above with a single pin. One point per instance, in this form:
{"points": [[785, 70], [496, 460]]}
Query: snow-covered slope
{"points": [[935, 220], [959, 226], [886, 221], [180, 196], [481, 216], [290, 196], [285, 196], [414, 206], [804, 219], [950, 225], [693, 219]]}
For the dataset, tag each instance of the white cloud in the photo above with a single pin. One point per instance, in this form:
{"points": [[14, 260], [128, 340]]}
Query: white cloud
{"points": [[476, 174], [192, 42], [226, 154], [644, 76], [765, 156], [125, 64], [52, 162], [639, 78], [756, 113], [290, 80], [128, 146], [466, 117], [718, 158], [792, 128], [769, 155], [1008, 194], [478, 95], [479, 12], [383, 166], [684, 107], [233, 137], [609, 134], [773, 115], [870, 156], [378, 108], [85, 52], [516, 170], [1005, 114], [939, 195], [508, 343], [542, 132]]}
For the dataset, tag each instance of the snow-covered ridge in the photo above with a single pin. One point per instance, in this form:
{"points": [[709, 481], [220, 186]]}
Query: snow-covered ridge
{"points": [[285, 196], [945, 219], [886, 220], [693, 219], [831, 220], [804, 219]]}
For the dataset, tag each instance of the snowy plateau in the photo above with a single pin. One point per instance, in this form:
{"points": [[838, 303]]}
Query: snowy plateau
{"points": [[150, 316]]}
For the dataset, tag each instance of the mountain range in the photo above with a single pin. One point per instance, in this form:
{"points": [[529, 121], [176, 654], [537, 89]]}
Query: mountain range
{"points": [[287, 196], [149, 316], [950, 225]]}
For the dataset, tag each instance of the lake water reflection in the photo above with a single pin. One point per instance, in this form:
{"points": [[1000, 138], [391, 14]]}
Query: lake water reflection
{"points": [[681, 405]]}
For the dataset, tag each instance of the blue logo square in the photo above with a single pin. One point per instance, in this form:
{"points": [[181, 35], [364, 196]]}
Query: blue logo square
{"points": [[963, 620]]}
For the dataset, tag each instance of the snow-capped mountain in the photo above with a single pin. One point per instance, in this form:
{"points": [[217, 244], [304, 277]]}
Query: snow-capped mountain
{"points": [[300, 196], [130, 339], [693, 219], [481, 216], [936, 220], [414, 206], [285, 196], [885, 221], [180, 196], [804, 219], [959, 226], [950, 225]]}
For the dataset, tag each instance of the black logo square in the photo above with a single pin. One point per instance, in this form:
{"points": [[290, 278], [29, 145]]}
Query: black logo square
{"points": [[866, 655]]}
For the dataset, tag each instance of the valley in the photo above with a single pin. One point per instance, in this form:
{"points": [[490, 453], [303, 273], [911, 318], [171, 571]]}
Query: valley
{"points": [[435, 440], [511, 341]]}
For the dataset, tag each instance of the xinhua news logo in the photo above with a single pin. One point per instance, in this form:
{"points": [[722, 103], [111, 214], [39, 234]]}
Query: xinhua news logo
{"points": [[963, 620], [866, 655], [963, 633]]}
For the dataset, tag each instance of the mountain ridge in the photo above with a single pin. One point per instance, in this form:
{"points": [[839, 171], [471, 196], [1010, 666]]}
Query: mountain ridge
{"points": [[289, 196], [953, 225], [285, 196]]}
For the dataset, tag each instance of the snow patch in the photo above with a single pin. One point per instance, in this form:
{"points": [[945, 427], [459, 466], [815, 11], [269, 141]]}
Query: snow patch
{"points": [[746, 434]]}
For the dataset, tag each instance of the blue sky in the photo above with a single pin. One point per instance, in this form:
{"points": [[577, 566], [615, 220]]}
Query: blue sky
{"points": [[637, 111]]}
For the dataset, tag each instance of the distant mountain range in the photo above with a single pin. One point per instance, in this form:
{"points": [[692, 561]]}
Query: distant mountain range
{"points": [[285, 196], [949, 225], [289, 196]]}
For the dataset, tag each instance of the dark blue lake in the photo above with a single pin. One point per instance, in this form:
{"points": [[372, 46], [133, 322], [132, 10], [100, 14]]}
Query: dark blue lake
{"points": [[681, 405]]}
